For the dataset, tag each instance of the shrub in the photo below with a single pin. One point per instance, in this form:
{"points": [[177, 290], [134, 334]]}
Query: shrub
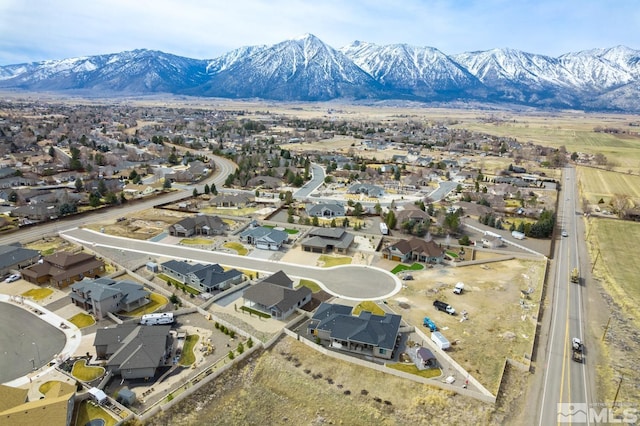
{"points": [[250, 343], [240, 348], [232, 334], [231, 356]]}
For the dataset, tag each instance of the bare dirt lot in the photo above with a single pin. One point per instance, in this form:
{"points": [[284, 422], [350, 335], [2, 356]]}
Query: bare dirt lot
{"points": [[292, 384], [501, 320]]}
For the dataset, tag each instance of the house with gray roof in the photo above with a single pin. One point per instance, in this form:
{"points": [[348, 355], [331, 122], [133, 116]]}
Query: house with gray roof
{"points": [[328, 210], [327, 240], [204, 278], [15, 257], [101, 295], [198, 225], [276, 296], [134, 351], [367, 189], [264, 238], [225, 199], [367, 334]]}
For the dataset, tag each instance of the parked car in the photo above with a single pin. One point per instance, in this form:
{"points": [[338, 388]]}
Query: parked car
{"points": [[13, 277], [565, 234]]}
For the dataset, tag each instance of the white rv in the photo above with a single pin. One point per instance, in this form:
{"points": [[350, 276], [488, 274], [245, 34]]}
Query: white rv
{"points": [[384, 229], [155, 319]]}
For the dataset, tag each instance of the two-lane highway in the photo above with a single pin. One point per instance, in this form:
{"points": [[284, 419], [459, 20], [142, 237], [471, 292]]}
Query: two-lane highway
{"points": [[565, 380]]}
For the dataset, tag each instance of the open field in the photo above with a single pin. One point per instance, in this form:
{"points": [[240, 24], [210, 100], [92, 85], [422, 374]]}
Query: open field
{"points": [[141, 225], [617, 272], [498, 327], [597, 183], [572, 130], [291, 384]]}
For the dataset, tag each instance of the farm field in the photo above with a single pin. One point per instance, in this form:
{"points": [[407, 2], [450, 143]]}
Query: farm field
{"points": [[575, 131], [617, 272], [598, 183]]}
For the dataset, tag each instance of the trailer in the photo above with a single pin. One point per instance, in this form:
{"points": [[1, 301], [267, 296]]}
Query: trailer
{"points": [[440, 340], [384, 229], [155, 319], [518, 235]]}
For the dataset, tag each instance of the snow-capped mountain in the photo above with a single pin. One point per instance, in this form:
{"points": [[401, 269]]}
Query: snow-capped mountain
{"points": [[419, 71], [304, 68], [307, 69]]}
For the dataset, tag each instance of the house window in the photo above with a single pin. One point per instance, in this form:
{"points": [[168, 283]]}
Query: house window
{"points": [[383, 351]]}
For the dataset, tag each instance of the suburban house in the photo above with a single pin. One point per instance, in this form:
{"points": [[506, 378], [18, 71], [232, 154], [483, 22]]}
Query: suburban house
{"points": [[134, 351], [265, 238], [14, 257], [492, 241], [367, 189], [198, 225], [104, 295], [328, 210], [63, 268], [55, 408], [412, 214], [232, 200], [327, 240], [414, 250], [366, 334], [204, 278], [276, 296], [133, 190]]}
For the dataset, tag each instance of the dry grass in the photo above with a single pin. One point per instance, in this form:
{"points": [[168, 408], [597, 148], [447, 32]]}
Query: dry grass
{"points": [[38, 293], [87, 412], [498, 327], [293, 385], [597, 183], [82, 371], [158, 301], [82, 320]]}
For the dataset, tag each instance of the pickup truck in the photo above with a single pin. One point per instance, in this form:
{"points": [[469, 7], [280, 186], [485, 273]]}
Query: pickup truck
{"points": [[577, 350], [444, 307]]}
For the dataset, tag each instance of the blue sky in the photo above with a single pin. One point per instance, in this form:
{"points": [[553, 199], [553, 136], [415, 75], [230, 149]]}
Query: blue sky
{"points": [[34, 30]]}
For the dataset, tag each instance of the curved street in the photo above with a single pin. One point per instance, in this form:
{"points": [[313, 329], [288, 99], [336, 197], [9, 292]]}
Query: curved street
{"points": [[354, 282]]}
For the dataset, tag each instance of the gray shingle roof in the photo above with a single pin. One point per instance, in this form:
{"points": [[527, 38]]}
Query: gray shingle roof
{"points": [[12, 255]]}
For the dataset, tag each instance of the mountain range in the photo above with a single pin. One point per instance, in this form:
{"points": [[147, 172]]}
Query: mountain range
{"points": [[307, 69]]}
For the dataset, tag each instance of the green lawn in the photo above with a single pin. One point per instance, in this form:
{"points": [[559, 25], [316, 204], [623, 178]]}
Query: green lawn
{"points": [[329, 261], [412, 369], [38, 293], [402, 267], [312, 285], [44, 388], [157, 302], [82, 371], [178, 284], [82, 320], [87, 412], [188, 357], [367, 305], [287, 230]]}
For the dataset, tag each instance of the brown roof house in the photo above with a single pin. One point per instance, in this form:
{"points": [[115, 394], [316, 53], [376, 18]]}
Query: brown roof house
{"points": [[414, 250], [276, 296], [134, 351], [198, 225], [64, 268], [55, 408]]}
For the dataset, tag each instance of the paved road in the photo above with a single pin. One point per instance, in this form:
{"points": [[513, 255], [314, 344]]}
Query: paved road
{"points": [[444, 188], [356, 282], [565, 381], [317, 179], [26, 342]]}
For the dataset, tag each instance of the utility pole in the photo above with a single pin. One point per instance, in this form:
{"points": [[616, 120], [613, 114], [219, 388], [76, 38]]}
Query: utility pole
{"points": [[594, 262], [615, 398], [606, 328]]}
